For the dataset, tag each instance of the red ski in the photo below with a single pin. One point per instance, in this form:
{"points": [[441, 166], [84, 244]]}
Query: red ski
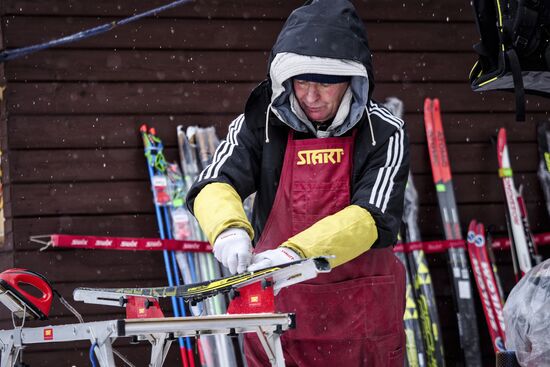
{"points": [[458, 261], [486, 284]]}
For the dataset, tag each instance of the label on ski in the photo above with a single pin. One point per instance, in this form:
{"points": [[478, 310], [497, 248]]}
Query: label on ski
{"points": [[281, 276], [505, 172]]}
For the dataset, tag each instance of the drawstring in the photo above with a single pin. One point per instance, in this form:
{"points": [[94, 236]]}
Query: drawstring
{"points": [[370, 126], [267, 122]]}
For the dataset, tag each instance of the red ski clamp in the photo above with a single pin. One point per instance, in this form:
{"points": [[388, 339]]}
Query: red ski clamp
{"points": [[13, 283], [257, 297]]}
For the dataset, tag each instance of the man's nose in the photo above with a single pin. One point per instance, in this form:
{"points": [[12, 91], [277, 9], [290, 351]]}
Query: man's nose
{"points": [[312, 94]]}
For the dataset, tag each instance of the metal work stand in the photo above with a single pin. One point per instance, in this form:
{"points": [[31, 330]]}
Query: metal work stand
{"points": [[159, 332]]}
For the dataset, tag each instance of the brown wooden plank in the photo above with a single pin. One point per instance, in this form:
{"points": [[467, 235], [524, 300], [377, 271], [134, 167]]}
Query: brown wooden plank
{"points": [[476, 127], [112, 131], [81, 198], [188, 34], [129, 65], [478, 188], [137, 225], [67, 98], [88, 266], [477, 158], [102, 131], [50, 166], [81, 165], [163, 98], [429, 10], [135, 197]]}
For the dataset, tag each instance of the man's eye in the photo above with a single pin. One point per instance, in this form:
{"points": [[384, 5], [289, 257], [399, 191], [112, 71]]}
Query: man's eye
{"points": [[325, 85]]}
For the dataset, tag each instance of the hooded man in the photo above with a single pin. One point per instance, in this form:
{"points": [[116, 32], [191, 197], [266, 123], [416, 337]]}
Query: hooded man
{"points": [[329, 166]]}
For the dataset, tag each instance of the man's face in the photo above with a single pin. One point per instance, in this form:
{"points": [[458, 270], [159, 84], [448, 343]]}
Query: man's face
{"points": [[319, 101]]}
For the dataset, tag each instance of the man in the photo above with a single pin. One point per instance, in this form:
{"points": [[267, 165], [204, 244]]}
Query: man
{"points": [[329, 167]]}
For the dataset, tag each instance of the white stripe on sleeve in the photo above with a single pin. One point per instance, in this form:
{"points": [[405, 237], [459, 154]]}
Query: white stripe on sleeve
{"points": [[224, 151]]}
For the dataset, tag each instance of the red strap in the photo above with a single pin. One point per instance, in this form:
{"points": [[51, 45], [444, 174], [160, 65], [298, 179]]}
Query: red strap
{"points": [[429, 247], [124, 243]]}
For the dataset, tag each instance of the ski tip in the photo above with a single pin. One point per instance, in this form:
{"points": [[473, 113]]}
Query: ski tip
{"points": [[152, 131], [436, 104], [501, 140], [471, 231], [143, 128], [480, 229], [427, 104]]}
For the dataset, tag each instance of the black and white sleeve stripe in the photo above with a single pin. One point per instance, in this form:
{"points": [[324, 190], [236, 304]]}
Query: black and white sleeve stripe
{"points": [[224, 150], [382, 189], [385, 115]]}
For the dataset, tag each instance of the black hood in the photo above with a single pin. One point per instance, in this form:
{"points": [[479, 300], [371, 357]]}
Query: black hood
{"points": [[326, 28]]}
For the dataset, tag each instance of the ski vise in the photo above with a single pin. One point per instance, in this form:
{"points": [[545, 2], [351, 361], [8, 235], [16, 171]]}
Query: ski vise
{"points": [[253, 298], [137, 307]]}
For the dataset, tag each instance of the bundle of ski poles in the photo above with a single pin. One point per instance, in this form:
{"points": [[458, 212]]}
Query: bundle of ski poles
{"points": [[170, 185]]}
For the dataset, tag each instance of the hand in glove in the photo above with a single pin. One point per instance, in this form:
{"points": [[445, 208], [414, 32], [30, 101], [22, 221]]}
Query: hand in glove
{"points": [[280, 255], [233, 249]]}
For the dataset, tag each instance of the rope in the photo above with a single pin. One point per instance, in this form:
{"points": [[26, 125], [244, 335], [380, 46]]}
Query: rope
{"points": [[19, 52]]}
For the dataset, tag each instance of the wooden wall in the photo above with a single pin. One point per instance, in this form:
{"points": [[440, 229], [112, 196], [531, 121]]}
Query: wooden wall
{"points": [[72, 155]]}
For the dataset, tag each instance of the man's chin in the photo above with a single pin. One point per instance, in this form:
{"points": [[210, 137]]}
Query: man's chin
{"points": [[317, 118]]}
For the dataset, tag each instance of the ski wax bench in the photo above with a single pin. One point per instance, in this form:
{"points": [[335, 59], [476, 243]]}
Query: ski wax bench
{"points": [[250, 292], [159, 332]]}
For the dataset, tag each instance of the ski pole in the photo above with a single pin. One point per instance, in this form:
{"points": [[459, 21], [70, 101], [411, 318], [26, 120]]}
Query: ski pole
{"points": [[151, 157]]}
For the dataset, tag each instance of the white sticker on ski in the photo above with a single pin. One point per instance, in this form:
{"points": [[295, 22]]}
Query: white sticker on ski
{"points": [[464, 291]]}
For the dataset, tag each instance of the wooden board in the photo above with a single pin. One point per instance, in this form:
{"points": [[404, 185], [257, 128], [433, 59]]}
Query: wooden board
{"points": [[114, 131], [59, 65], [212, 34], [429, 10], [178, 98]]}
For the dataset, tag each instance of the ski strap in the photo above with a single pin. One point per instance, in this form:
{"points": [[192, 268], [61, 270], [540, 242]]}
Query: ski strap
{"points": [[119, 243], [429, 247]]}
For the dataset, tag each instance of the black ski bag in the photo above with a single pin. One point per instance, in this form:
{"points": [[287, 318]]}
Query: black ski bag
{"points": [[514, 51]]}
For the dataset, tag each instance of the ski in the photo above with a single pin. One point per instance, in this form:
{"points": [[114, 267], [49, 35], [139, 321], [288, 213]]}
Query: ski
{"points": [[493, 262], [279, 277], [486, 284], [156, 167], [210, 268], [214, 346], [422, 281], [543, 134], [523, 246], [413, 330], [416, 265], [441, 171]]}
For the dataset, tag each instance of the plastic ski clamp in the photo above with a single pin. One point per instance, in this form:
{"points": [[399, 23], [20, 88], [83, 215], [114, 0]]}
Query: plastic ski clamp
{"points": [[143, 308], [253, 298], [20, 301]]}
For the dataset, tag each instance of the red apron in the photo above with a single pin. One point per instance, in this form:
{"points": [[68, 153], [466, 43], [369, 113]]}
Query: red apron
{"points": [[352, 316]]}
